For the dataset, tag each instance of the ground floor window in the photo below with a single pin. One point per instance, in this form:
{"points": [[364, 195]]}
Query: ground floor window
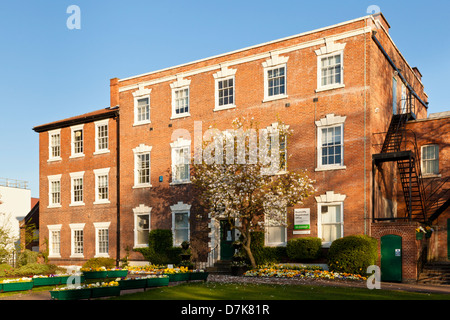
{"points": [[77, 240], [330, 222], [141, 225], [102, 239]]}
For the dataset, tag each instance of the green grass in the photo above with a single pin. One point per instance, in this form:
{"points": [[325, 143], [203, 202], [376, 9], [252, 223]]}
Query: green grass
{"points": [[241, 291]]}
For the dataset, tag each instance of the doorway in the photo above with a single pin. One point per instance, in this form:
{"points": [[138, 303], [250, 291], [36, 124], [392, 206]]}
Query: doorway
{"points": [[226, 240], [391, 258]]}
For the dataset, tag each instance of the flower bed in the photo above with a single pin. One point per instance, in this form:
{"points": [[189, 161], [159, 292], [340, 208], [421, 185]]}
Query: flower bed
{"points": [[20, 284], [88, 291], [133, 283], [157, 281], [102, 273], [49, 280], [301, 274], [177, 274]]}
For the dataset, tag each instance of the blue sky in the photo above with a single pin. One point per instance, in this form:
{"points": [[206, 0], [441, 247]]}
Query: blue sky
{"points": [[49, 72]]}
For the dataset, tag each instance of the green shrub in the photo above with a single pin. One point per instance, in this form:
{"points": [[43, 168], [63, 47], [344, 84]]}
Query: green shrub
{"points": [[160, 250], [353, 254], [31, 269], [4, 269], [26, 257], [304, 249], [171, 256], [100, 262], [264, 255], [160, 240]]}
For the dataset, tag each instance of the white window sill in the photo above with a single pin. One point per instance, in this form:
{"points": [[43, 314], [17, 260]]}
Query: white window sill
{"points": [[80, 155], [76, 204], [101, 152], [179, 116], [140, 186], [137, 246], [180, 182], [102, 202], [331, 168], [141, 123], [53, 256], [278, 244], [429, 176], [54, 159], [277, 97], [77, 255], [330, 87], [227, 107], [54, 206], [102, 255]]}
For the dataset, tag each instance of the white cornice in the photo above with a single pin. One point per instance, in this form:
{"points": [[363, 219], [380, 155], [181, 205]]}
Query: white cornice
{"points": [[254, 57]]}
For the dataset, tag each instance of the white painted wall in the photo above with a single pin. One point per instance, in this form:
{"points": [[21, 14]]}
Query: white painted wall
{"points": [[16, 204]]}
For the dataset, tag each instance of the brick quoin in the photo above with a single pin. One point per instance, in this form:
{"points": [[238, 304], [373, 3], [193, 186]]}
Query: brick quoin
{"points": [[365, 100]]}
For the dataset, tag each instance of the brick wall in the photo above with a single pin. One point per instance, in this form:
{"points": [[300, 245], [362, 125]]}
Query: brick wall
{"points": [[89, 213]]}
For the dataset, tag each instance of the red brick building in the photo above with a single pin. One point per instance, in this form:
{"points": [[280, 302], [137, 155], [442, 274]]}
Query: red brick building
{"points": [[338, 88]]}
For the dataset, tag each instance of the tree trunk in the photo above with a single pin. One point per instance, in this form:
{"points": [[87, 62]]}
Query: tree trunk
{"points": [[246, 246]]}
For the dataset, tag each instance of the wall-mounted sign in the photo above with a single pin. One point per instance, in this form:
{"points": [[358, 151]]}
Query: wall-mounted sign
{"points": [[302, 221]]}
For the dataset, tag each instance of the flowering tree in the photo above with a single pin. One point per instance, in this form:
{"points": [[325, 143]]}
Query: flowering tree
{"points": [[251, 187]]}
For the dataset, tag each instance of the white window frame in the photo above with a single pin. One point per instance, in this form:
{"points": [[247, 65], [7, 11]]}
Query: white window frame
{"points": [[330, 121], [99, 124], [52, 133], [140, 94], [180, 143], [73, 228], [331, 48], [321, 87], [268, 225], [180, 84], [51, 179], [101, 226], [275, 62], [224, 74], [74, 176], [427, 174], [141, 150], [101, 173], [140, 211], [329, 199], [51, 229], [181, 208], [73, 130]]}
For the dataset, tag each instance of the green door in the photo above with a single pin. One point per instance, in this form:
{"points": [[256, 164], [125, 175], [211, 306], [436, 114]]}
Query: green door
{"points": [[226, 240], [391, 258]]}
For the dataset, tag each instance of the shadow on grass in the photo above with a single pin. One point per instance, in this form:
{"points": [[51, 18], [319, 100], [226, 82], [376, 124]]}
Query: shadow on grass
{"points": [[238, 291]]}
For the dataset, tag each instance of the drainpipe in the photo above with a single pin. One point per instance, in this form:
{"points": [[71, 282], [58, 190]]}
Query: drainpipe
{"points": [[118, 187]]}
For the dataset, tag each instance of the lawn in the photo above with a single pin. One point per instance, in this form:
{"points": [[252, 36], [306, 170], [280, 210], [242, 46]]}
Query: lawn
{"points": [[241, 291]]}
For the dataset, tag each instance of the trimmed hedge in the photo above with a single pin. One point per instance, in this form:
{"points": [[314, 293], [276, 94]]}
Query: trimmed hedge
{"points": [[265, 255], [160, 249], [99, 262], [353, 254], [304, 249]]}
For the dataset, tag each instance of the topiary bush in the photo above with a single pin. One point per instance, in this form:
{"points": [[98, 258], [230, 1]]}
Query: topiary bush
{"points": [[353, 254], [304, 249]]}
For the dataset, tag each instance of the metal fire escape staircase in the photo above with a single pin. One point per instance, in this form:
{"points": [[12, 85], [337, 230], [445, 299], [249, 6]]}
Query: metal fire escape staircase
{"points": [[400, 146]]}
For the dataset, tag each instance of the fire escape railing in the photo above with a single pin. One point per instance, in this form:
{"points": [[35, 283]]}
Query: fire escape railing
{"points": [[400, 148]]}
